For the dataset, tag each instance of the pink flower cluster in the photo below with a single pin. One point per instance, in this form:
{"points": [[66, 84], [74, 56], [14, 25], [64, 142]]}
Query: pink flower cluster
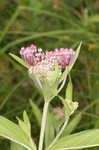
{"points": [[33, 56]]}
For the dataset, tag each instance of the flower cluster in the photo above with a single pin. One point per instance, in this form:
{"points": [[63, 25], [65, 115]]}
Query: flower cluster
{"points": [[31, 55], [42, 63]]}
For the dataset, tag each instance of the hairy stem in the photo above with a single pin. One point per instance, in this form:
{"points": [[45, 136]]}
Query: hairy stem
{"points": [[43, 125]]}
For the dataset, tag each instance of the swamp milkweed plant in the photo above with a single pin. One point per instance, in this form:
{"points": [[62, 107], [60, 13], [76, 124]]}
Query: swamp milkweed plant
{"points": [[49, 70]]}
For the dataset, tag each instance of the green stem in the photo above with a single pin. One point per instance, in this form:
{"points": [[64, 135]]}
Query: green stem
{"points": [[63, 83], [58, 135], [43, 125]]}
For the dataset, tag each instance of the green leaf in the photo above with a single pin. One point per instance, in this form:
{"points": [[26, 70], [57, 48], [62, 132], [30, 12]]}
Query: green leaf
{"points": [[75, 57], [24, 127], [72, 125], [84, 139], [14, 133], [66, 108], [69, 90], [69, 106], [75, 121], [26, 120], [25, 124], [36, 111], [15, 146], [18, 59]]}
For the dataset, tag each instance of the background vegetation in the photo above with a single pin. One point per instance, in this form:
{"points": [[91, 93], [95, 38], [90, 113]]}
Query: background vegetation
{"points": [[49, 24]]}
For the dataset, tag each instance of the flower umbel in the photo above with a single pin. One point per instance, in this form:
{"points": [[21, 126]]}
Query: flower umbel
{"points": [[47, 66], [41, 63]]}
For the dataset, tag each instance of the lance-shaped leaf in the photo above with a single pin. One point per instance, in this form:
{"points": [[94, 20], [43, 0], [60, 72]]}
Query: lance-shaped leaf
{"points": [[19, 60], [75, 57], [13, 132], [69, 90], [85, 139], [72, 125], [25, 125], [27, 121], [36, 111]]}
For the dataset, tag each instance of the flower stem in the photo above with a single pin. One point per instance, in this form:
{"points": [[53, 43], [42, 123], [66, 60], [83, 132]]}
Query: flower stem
{"points": [[43, 125], [58, 135], [62, 85]]}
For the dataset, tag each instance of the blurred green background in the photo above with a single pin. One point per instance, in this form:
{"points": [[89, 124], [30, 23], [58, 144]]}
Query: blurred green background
{"points": [[49, 24]]}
